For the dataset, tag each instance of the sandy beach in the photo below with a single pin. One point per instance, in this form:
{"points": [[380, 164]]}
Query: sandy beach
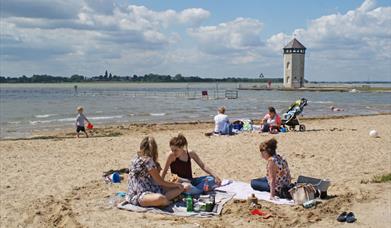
{"points": [[56, 180]]}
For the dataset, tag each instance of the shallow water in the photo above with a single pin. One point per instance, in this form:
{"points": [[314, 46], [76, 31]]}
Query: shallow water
{"points": [[25, 108]]}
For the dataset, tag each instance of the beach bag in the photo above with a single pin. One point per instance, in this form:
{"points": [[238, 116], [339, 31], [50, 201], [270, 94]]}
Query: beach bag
{"points": [[237, 125], [247, 125], [302, 193]]}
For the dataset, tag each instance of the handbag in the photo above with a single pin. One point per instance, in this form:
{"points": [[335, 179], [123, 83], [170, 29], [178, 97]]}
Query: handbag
{"points": [[302, 193]]}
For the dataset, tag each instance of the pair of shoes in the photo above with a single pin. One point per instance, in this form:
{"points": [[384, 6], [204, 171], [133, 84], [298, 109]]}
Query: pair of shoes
{"points": [[346, 217]]}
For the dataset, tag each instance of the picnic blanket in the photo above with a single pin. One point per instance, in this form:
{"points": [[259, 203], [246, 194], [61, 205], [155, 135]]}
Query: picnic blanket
{"points": [[243, 190], [179, 208]]}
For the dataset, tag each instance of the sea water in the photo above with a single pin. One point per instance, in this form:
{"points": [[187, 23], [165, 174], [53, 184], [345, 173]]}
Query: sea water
{"points": [[25, 108]]}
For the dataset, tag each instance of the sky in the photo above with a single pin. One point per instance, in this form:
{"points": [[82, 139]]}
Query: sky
{"points": [[347, 40]]}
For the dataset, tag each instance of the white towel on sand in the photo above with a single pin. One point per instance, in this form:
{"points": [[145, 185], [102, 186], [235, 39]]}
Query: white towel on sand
{"points": [[179, 208], [243, 191]]}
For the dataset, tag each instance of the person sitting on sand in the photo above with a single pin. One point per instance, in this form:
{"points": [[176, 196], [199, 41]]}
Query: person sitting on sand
{"points": [[222, 125], [80, 122], [145, 186], [179, 161], [271, 121], [335, 109], [278, 176]]}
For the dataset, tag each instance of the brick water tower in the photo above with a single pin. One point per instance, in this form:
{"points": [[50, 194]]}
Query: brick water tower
{"points": [[294, 53]]}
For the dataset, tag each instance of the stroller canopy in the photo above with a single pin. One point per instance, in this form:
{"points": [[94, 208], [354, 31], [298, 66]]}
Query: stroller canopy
{"points": [[294, 109]]}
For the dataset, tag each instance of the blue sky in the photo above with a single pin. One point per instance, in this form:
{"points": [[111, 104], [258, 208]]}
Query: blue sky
{"points": [[345, 40]]}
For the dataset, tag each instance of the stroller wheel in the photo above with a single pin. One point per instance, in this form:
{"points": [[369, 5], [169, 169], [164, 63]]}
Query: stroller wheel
{"points": [[291, 128], [301, 127]]}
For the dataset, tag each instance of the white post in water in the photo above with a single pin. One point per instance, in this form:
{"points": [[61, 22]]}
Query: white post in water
{"points": [[294, 53], [217, 90]]}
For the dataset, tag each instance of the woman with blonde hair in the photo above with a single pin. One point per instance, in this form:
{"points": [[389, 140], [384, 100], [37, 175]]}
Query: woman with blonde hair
{"points": [[146, 188]]}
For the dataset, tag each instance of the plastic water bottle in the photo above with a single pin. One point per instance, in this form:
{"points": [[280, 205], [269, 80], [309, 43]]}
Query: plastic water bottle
{"points": [[206, 186]]}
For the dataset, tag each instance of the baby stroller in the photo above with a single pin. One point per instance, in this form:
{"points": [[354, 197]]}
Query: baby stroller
{"points": [[289, 118]]}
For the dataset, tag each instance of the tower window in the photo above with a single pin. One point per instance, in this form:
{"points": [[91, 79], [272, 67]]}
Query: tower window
{"points": [[287, 65]]}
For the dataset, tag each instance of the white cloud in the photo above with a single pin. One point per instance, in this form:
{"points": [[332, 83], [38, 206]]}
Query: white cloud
{"points": [[358, 40], [49, 9], [235, 42], [193, 16], [87, 36], [88, 31], [239, 34], [365, 29]]}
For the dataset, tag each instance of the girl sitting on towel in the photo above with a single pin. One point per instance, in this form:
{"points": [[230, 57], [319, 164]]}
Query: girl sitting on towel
{"points": [[278, 177], [146, 187], [179, 161]]}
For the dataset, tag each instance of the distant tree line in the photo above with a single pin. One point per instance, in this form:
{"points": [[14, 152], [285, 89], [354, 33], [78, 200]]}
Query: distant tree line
{"points": [[44, 78], [108, 77]]}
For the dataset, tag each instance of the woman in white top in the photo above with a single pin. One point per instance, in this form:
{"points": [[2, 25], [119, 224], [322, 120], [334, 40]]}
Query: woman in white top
{"points": [[221, 122]]}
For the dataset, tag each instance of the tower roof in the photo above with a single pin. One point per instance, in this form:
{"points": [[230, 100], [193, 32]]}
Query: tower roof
{"points": [[294, 44]]}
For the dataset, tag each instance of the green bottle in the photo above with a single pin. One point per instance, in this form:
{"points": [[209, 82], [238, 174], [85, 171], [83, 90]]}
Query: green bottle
{"points": [[189, 203]]}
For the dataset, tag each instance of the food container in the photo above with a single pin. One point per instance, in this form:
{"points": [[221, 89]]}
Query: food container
{"points": [[202, 206], [209, 206], [252, 199], [197, 207], [203, 198]]}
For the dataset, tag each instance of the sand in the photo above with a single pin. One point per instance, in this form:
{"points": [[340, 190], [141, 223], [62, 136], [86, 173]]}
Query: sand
{"points": [[56, 181]]}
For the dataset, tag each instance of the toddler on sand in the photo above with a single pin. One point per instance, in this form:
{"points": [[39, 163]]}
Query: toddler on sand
{"points": [[80, 122]]}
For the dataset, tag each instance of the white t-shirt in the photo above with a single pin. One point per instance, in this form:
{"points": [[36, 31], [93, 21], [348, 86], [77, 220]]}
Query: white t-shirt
{"points": [[220, 121], [80, 119]]}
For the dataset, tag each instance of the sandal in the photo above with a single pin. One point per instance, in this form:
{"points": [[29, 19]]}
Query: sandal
{"points": [[342, 217], [350, 218]]}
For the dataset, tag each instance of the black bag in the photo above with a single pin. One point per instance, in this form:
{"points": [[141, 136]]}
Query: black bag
{"points": [[284, 193]]}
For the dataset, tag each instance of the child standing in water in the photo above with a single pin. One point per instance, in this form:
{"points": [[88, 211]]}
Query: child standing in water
{"points": [[80, 122], [179, 161]]}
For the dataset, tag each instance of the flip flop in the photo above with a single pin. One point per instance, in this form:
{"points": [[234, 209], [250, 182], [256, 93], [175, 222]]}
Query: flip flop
{"points": [[350, 218], [342, 217]]}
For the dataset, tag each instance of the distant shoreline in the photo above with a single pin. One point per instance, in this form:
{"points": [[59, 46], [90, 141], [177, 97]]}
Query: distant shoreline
{"points": [[182, 82], [159, 78]]}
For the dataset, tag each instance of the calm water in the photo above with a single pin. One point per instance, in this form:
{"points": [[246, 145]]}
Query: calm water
{"points": [[25, 108]]}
